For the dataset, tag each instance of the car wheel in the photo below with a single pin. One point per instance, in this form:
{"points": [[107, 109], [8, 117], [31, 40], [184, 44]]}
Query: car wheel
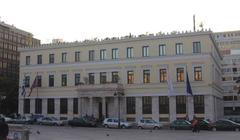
{"points": [[106, 126], [140, 127], [214, 129], [156, 128], [123, 127], [236, 129]]}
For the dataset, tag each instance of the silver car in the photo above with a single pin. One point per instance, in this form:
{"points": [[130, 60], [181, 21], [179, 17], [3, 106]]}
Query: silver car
{"points": [[113, 123], [149, 124]]}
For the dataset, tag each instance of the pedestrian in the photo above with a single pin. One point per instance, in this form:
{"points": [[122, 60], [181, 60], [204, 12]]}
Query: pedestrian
{"points": [[194, 125], [198, 126], [3, 129]]}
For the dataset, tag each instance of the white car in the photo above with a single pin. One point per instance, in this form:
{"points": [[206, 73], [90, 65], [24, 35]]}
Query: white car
{"points": [[50, 121], [149, 124], [113, 123], [6, 119]]}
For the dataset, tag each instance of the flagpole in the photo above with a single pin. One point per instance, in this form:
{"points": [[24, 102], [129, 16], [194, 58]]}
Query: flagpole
{"points": [[187, 106]]}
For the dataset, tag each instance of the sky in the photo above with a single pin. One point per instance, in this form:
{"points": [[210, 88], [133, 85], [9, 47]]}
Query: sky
{"points": [[73, 20]]}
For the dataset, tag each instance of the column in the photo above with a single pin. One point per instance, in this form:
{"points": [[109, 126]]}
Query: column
{"points": [[57, 107], [209, 110], [190, 107], [124, 108], [20, 106], [70, 108], [80, 112], [44, 107], [104, 107], [109, 77], [32, 106], [97, 78], [172, 108], [155, 108], [115, 107], [138, 108], [90, 106]]}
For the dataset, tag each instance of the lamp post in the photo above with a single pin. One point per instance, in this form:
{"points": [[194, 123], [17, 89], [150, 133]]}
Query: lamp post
{"points": [[118, 95], [2, 97]]}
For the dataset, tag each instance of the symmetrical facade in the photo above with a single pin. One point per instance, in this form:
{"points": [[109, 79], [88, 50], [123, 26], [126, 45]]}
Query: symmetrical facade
{"points": [[94, 77]]}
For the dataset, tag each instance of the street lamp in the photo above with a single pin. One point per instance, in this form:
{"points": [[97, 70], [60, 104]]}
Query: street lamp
{"points": [[2, 97], [119, 95]]}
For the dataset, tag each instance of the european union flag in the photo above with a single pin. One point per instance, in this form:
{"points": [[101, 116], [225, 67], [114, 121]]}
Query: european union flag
{"points": [[188, 87]]}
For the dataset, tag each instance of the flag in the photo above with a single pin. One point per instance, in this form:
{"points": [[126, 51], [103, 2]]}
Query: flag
{"points": [[170, 84], [188, 86], [23, 93], [34, 84]]}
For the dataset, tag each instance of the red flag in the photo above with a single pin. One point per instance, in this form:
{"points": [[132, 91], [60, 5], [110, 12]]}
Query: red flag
{"points": [[34, 84]]}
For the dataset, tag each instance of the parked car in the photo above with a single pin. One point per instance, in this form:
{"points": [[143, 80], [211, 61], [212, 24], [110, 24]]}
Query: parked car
{"points": [[235, 119], [205, 125], [82, 122], [148, 124], [6, 119], [225, 124], [22, 120], [50, 121], [113, 123], [181, 124]]}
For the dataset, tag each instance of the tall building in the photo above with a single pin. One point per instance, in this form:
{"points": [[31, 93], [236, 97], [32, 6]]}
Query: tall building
{"points": [[11, 38], [229, 45], [95, 77]]}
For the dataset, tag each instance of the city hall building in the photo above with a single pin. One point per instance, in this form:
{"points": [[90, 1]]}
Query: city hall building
{"points": [[127, 75]]}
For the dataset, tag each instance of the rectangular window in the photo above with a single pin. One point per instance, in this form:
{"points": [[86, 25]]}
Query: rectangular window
{"points": [[103, 77], [181, 104], [163, 105], [115, 53], [130, 77], [77, 56], [26, 105], [162, 49], [196, 47], [77, 79], [91, 78], [51, 81], [147, 105], [27, 81], [131, 105], [115, 77], [39, 59], [180, 74], [27, 60], [198, 104], [38, 106], [51, 58], [179, 48], [146, 76], [63, 106], [64, 57], [103, 54], [39, 81], [145, 51], [163, 75], [130, 52], [198, 73], [91, 55], [64, 79], [75, 105], [50, 106]]}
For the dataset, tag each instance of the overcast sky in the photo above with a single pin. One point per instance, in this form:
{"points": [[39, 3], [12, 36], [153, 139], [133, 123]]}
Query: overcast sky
{"points": [[86, 19]]}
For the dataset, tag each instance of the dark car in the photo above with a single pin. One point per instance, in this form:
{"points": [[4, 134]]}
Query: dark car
{"points": [[181, 124], [82, 122], [205, 125], [237, 120], [226, 124]]}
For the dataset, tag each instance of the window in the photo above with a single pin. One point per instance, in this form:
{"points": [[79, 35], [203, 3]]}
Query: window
{"points": [[181, 104], [147, 105], [146, 76], [50, 106], [131, 105], [115, 53], [51, 81], [198, 73], [115, 77], [162, 49], [145, 51], [27, 60], [91, 55], [198, 104], [103, 77], [180, 74], [179, 48], [77, 56], [196, 47], [39, 81], [64, 57], [163, 75], [130, 77], [91, 78], [38, 106], [77, 79], [27, 81], [75, 105], [39, 59], [64, 79], [163, 105], [103, 54], [51, 58], [26, 105], [130, 52], [63, 106]]}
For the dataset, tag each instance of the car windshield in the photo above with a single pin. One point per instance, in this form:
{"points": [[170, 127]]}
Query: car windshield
{"points": [[150, 121]]}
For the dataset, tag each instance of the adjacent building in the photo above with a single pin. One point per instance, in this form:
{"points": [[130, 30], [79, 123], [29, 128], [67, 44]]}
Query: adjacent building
{"points": [[142, 77]]}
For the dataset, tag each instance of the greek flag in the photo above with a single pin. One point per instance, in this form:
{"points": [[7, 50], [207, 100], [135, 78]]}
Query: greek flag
{"points": [[23, 93], [188, 86]]}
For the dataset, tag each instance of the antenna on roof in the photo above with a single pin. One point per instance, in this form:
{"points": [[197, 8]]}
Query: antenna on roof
{"points": [[194, 27]]}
